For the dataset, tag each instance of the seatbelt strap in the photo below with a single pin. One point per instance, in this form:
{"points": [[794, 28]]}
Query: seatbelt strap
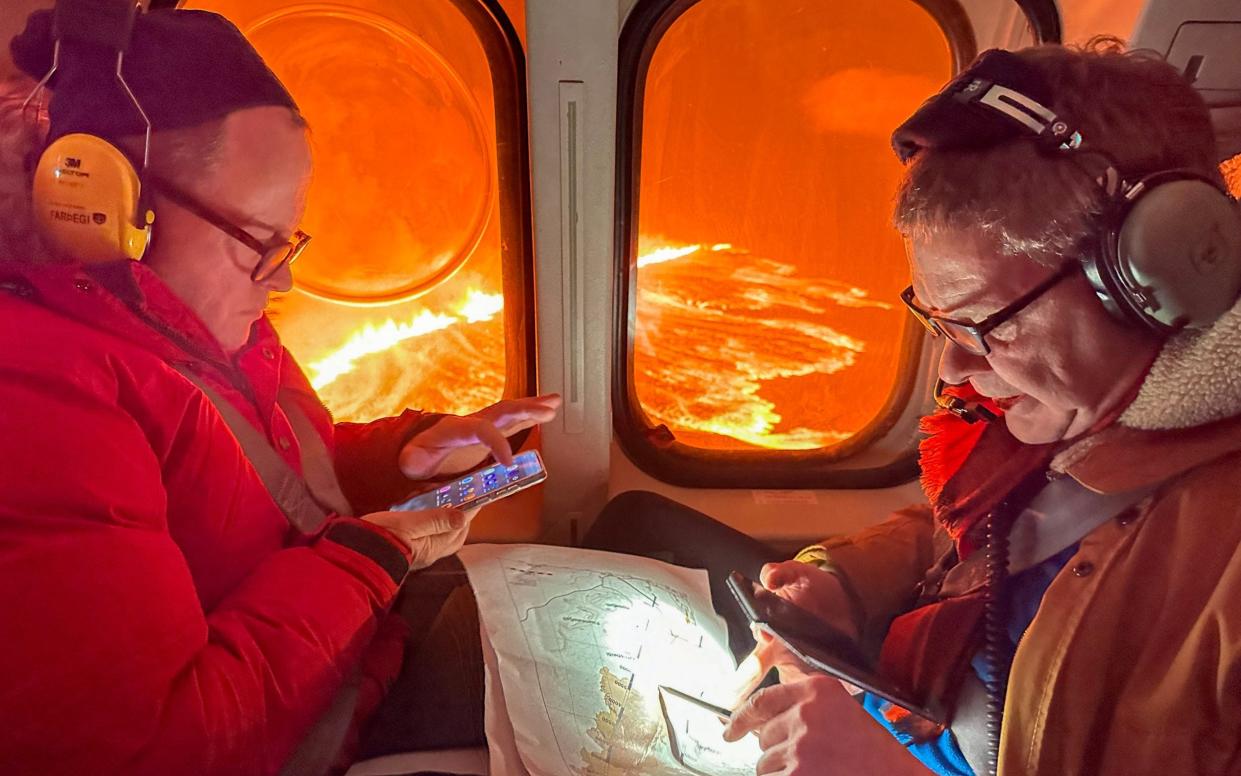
{"points": [[1060, 516], [306, 501], [1064, 513], [318, 464], [321, 746]]}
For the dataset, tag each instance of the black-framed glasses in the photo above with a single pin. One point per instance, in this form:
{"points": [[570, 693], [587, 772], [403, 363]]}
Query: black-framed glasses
{"points": [[972, 335], [273, 254]]}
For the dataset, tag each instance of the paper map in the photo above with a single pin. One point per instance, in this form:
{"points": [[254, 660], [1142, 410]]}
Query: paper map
{"points": [[582, 641]]}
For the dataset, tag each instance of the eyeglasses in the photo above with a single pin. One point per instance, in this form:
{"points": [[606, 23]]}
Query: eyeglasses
{"points": [[972, 335], [273, 254]]}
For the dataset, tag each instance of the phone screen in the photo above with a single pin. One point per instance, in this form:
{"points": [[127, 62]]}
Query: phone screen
{"points": [[482, 486]]}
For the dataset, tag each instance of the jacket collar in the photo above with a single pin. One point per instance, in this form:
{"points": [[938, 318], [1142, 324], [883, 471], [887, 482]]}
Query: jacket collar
{"points": [[1121, 458], [157, 307]]}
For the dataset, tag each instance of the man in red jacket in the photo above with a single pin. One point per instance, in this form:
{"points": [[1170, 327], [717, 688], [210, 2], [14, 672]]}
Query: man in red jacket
{"points": [[184, 589]]}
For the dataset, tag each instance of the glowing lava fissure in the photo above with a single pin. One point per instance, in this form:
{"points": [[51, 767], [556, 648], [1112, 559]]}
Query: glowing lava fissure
{"points": [[372, 339], [728, 345], [732, 351]]}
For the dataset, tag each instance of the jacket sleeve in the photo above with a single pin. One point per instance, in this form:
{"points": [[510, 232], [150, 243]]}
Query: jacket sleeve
{"points": [[112, 664], [366, 459], [882, 565]]}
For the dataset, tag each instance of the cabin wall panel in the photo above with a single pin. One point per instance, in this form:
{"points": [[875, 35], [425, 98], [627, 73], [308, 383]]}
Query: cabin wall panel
{"points": [[572, 48]]}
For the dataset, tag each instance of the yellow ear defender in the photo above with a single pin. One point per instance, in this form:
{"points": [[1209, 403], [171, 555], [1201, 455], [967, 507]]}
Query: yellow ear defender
{"points": [[87, 196], [88, 201]]}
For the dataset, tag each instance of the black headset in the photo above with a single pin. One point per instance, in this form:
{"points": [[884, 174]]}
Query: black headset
{"points": [[1166, 249]]}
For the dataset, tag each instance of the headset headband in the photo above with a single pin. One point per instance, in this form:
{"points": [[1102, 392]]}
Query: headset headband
{"points": [[106, 25], [997, 99], [186, 67], [1166, 247]]}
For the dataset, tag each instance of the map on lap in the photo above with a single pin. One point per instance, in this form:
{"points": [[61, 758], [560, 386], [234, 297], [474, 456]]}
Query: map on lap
{"points": [[578, 643]]}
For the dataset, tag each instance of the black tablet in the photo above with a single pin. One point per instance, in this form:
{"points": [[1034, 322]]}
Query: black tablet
{"points": [[820, 646]]}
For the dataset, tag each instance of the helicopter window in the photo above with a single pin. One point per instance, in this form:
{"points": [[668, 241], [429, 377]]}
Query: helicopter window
{"points": [[417, 289], [762, 269]]}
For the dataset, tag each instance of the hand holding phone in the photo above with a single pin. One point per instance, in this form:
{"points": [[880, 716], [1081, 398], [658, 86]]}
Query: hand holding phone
{"points": [[814, 589], [428, 534], [481, 486]]}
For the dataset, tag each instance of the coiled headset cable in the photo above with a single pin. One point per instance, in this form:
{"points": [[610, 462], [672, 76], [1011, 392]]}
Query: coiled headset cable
{"points": [[997, 650]]}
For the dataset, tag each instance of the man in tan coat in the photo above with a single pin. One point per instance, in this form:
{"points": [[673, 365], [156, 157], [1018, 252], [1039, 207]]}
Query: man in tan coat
{"points": [[1108, 365]]}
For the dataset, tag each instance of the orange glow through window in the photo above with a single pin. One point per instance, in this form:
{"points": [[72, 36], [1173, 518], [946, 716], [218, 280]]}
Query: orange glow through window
{"points": [[767, 267]]}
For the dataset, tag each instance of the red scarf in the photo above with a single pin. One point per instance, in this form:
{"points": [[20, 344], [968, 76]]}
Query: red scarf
{"points": [[968, 468]]}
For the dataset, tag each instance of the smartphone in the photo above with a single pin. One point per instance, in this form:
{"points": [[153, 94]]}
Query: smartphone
{"points": [[481, 486], [821, 646]]}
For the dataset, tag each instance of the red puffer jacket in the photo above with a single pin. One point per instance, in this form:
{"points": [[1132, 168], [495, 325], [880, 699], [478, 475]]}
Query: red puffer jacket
{"points": [[158, 614]]}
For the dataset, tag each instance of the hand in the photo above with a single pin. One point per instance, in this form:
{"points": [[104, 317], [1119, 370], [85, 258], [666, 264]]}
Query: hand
{"points": [[812, 726], [458, 443], [429, 534], [817, 591]]}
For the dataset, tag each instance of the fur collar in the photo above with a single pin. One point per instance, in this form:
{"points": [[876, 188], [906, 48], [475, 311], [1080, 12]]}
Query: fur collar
{"points": [[1195, 380]]}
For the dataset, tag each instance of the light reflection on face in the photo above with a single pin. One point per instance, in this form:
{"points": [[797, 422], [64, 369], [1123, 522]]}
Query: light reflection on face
{"points": [[259, 184], [1062, 366]]}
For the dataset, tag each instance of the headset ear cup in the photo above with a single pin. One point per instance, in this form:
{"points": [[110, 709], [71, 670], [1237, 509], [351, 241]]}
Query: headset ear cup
{"points": [[140, 235], [87, 199], [1175, 255], [1099, 265]]}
